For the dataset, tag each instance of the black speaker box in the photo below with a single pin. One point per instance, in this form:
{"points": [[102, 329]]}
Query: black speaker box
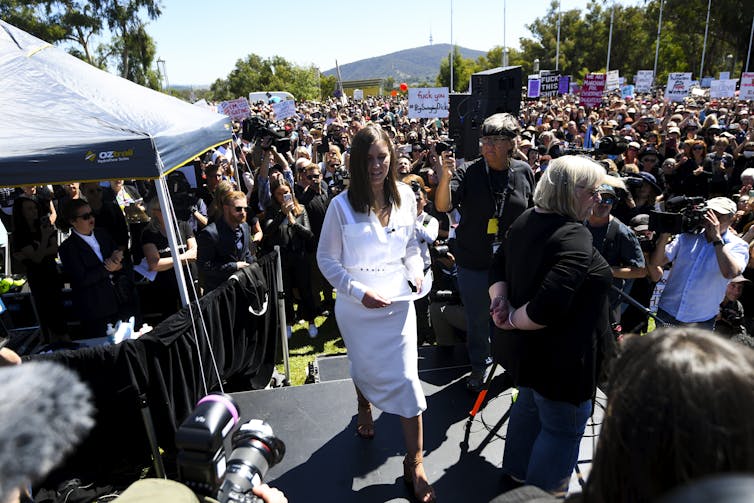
{"points": [[498, 89]]}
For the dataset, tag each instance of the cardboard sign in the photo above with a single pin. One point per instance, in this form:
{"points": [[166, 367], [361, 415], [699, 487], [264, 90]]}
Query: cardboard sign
{"points": [[746, 91], [549, 84], [678, 87], [723, 88], [724, 75], [532, 88], [428, 102], [593, 89], [643, 81], [284, 109], [235, 109], [613, 80]]}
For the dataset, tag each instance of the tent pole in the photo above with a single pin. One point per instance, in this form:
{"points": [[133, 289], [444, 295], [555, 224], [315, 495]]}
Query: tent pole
{"points": [[162, 194]]}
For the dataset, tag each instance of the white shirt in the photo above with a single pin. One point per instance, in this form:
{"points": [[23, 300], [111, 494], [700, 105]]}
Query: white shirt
{"points": [[92, 242]]}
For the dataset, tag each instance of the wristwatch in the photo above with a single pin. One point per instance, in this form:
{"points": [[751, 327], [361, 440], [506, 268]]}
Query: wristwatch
{"points": [[718, 242]]}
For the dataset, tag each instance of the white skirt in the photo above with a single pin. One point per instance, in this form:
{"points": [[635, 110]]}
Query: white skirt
{"points": [[382, 354]]}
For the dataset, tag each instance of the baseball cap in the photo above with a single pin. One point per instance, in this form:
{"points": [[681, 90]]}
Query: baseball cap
{"points": [[640, 222], [740, 279], [722, 205]]}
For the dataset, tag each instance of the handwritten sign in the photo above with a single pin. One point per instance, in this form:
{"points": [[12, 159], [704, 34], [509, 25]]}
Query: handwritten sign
{"points": [[532, 89], [723, 88], [235, 109], [627, 91], [746, 92], [644, 80], [358, 94], [284, 109], [428, 102], [678, 87], [593, 89]]}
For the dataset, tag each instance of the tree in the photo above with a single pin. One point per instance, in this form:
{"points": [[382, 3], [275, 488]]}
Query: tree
{"points": [[80, 23], [462, 70]]}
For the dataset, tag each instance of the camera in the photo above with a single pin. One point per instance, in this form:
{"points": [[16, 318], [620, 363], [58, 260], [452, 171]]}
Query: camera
{"points": [[183, 195], [202, 456], [684, 214], [256, 128], [442, 146], [339, 181]]}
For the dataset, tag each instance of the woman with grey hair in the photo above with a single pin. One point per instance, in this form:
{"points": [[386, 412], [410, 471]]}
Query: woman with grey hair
{"points": [[549, 289]]}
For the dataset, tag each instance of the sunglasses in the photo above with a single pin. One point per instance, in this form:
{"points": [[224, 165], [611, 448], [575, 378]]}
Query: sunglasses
{"points": [[312, 177], [240, 209], [608, 200], [86, 216], [698, 148]]}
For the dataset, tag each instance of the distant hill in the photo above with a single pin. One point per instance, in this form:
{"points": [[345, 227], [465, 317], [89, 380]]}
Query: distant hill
{"points": [[410, 65]]}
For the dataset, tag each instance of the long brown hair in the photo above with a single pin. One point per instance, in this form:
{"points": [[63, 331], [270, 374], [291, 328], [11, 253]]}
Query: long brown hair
{"points": [[359, 190]]}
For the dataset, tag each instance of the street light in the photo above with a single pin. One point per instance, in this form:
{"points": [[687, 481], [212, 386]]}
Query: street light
{"points": [[535, 68], [505, 56], [729, 63]]}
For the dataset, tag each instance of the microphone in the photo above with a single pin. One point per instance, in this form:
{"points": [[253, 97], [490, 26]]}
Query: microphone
{"points": [[45, 410]]}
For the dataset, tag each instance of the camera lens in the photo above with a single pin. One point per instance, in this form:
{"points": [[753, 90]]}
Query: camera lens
{"points": [[255, 450]]}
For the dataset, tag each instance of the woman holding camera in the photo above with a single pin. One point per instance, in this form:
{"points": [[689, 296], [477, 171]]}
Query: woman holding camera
{"points": [[549, 289], [368, 250], [287, 225]]}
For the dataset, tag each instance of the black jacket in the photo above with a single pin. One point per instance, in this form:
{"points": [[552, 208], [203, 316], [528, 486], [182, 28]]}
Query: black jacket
{"points": [[92, 287], [217, 253]]}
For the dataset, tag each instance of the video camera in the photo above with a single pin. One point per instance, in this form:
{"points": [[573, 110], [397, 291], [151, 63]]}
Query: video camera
{"points": [[257, 128], [607, 145], [684, 214], [183, 195], [202, 454]]}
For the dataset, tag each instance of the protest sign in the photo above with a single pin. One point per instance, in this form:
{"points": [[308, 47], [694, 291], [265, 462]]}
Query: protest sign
{"points": [[428, 102], [284, 109], [532, 89], [746, 92], [679, 86], [235, 109], [644, 80], [592, 90], [724, 75], [549, 83], [627, 92], [722, 88], [564, 84], [358, 94], [612, 81]]}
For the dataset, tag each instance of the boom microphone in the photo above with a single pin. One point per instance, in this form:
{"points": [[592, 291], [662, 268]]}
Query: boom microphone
{"points": [[45, 410]]}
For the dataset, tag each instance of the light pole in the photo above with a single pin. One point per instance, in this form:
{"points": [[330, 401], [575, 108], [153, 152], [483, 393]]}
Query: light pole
{"points": [[657, 45], [505, 57], [535, 66], [610, 39], [557, 45], [729, 63], [704, 47]]}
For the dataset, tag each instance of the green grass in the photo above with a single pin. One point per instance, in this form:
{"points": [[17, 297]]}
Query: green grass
{"points": [[303, 350]]}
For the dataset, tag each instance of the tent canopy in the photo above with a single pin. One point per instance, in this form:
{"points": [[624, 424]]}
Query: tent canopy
{"points": [[64, 120]]}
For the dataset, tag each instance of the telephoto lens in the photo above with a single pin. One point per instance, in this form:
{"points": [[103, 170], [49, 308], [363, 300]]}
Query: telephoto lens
{"points": [[255, 450]]}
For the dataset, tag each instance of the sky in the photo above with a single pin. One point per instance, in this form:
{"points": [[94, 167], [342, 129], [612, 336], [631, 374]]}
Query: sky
{"points": [[201, 41]]}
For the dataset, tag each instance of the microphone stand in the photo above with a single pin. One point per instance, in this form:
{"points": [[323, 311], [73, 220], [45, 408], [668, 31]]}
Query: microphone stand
{"points": [[640, 306]]}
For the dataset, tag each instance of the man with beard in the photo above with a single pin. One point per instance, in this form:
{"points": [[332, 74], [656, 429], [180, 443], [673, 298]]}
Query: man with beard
{"points": [[223, 246]]}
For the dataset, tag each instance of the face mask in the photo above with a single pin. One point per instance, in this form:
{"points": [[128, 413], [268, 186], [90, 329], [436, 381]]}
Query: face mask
{"points": [[748, 154]]}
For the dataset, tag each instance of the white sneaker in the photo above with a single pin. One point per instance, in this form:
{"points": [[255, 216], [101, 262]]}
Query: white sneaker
{"points": [[289, 330], [313, 330]]}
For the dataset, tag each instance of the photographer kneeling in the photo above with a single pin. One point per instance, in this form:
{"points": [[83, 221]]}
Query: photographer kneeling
{"points": [[446, 313], [703, 264]]}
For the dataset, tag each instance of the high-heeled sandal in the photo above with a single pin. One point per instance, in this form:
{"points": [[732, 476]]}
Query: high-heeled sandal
{"points": [[420, 487], [364, 421]]}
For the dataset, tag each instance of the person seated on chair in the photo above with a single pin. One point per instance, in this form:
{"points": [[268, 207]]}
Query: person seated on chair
{"points": [[101, 280]]}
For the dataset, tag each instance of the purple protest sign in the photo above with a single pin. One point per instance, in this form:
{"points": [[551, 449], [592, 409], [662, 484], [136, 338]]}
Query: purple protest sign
{"points": [[564, 84], [592, 90]]}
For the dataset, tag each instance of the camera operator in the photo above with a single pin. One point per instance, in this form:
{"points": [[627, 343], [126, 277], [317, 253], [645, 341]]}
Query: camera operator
{"points": [[703, 263], [446, 313], [274, 165], [617, 245]]}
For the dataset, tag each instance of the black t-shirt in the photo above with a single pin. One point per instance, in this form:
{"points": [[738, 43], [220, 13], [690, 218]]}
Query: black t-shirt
{"points": [[473, 194], [167, 278]]}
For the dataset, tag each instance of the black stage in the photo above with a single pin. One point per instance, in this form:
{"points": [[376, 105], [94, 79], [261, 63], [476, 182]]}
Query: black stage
{"points": [[326, 461]]}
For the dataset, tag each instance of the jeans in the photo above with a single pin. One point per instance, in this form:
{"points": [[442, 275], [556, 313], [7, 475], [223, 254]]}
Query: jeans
{"points": [[542, 444], [473, 286], [669, 318]]}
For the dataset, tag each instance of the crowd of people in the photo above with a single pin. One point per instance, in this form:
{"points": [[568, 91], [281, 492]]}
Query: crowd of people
{"points": [[570, 216]]}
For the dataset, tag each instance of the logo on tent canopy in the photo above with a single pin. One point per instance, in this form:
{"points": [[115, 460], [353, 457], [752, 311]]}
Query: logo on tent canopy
{"points": [[108, 156]]}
